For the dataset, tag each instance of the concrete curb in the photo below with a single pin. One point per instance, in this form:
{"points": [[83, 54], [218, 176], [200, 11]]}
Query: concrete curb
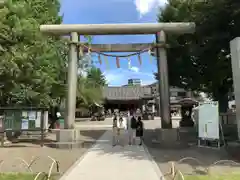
{"points": [[154, 164], [64, 176]]}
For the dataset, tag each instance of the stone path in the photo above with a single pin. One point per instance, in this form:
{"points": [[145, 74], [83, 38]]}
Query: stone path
{"points": [[104, 162]]}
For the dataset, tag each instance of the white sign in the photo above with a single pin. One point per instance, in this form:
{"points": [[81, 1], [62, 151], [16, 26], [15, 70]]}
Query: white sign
{"points": [[38, 120], [24, 124], [45, 120], [208, 123], [32, 115]]}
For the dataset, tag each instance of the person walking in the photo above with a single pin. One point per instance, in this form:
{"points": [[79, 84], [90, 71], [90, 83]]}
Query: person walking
{"points": [[122, 127], [53, 117], [139, 129], [132, 126], [114, 130]]}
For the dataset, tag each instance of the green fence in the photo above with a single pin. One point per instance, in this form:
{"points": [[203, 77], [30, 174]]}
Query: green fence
{"points": [[15, 120], [23, 119]]}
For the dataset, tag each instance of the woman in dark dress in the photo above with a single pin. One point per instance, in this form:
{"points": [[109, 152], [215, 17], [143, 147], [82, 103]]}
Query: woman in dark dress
{"points": [[53, 117], [114, 127], [139, 129]]}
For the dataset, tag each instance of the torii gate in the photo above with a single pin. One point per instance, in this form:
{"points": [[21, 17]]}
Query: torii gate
{"points": [[119, 29]]}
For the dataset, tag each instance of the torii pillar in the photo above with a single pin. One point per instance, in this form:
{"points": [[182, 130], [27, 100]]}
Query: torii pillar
{"points": [[235, 60]]}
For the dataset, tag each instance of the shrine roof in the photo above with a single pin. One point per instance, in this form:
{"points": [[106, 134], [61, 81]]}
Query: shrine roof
{"points": [[127, 93]]}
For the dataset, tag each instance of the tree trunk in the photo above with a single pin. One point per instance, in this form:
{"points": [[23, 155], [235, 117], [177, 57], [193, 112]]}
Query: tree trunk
{"points": [[221, 95], [223, 103]]}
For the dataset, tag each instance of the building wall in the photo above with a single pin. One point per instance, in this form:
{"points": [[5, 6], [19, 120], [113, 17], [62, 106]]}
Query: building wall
{"points": [[175, 92]]}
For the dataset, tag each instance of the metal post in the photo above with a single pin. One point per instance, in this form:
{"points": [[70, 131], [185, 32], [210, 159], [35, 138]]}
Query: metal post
{"points": [[163, 83], [72, 83]]}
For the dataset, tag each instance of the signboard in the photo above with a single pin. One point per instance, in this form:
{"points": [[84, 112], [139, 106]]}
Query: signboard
{"points": [[24, 124], [38, 120], [208, 123], [31, 115]]}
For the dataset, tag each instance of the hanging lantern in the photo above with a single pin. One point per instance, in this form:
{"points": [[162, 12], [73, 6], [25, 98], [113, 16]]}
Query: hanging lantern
{"points": [[139, 59], [80, 51], [129, 63], [89, 50], [89, 57], [150, 55], [106, 62], [99, 59], [118, 62]]}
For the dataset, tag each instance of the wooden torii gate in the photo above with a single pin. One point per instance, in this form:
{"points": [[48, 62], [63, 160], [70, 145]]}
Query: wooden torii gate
{"points": [[159, 29]]}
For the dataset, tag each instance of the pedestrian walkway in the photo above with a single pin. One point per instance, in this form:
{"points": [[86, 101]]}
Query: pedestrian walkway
{"points": [[104, 162]]}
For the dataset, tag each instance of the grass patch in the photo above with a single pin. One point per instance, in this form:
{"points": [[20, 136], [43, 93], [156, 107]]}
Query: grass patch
{"points": [[22, 176], [213, 177]]}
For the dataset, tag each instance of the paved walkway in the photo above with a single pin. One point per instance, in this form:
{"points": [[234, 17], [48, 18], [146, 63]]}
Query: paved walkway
{"points": [[104, 162]]}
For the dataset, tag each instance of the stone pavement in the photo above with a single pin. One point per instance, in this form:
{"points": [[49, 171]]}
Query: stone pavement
{"points": [[104, 162]]}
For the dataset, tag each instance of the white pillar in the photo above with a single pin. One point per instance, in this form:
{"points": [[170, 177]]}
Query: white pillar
{"points": [[45, 119], [235, 59]]}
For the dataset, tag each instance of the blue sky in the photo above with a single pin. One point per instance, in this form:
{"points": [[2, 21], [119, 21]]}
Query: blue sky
{"points": [[117, 11]]}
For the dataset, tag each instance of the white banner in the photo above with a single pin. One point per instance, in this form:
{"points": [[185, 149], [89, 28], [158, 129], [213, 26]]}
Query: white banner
{"points": [[208, 123]]}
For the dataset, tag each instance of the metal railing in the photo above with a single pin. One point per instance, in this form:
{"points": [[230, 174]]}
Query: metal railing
{"points": [[176, 174], [28, 166]]}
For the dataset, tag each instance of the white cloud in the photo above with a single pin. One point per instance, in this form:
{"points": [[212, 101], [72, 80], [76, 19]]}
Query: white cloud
{"points": [[147, 82], [145, 6], [134, 69], [82, 72]]}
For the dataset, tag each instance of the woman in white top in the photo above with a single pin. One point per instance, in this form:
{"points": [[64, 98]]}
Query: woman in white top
{"points": [[122, 128]]}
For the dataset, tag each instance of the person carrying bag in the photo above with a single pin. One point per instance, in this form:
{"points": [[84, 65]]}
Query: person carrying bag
{"points": [[139, 130], [114, 130], [132, 130], [122, 127]]}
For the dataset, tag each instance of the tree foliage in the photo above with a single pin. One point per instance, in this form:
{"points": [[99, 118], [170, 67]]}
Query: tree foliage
{"points": [[202, 61], [96, 77], [33, 66], [90, 88]]}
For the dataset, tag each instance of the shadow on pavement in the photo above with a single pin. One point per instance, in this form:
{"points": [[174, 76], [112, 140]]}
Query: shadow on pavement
{"points": [[187, 148], [87, 139], [92, 133], [123, 150]]}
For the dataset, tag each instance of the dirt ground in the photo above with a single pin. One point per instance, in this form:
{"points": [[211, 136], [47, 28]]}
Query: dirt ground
{"points": [[197, 160], [12, 157], [17, 157]]}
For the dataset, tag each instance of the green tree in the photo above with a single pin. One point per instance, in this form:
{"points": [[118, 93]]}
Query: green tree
{"points": [[201, 61], [90, 88], [32, 66], [96, 77]]}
